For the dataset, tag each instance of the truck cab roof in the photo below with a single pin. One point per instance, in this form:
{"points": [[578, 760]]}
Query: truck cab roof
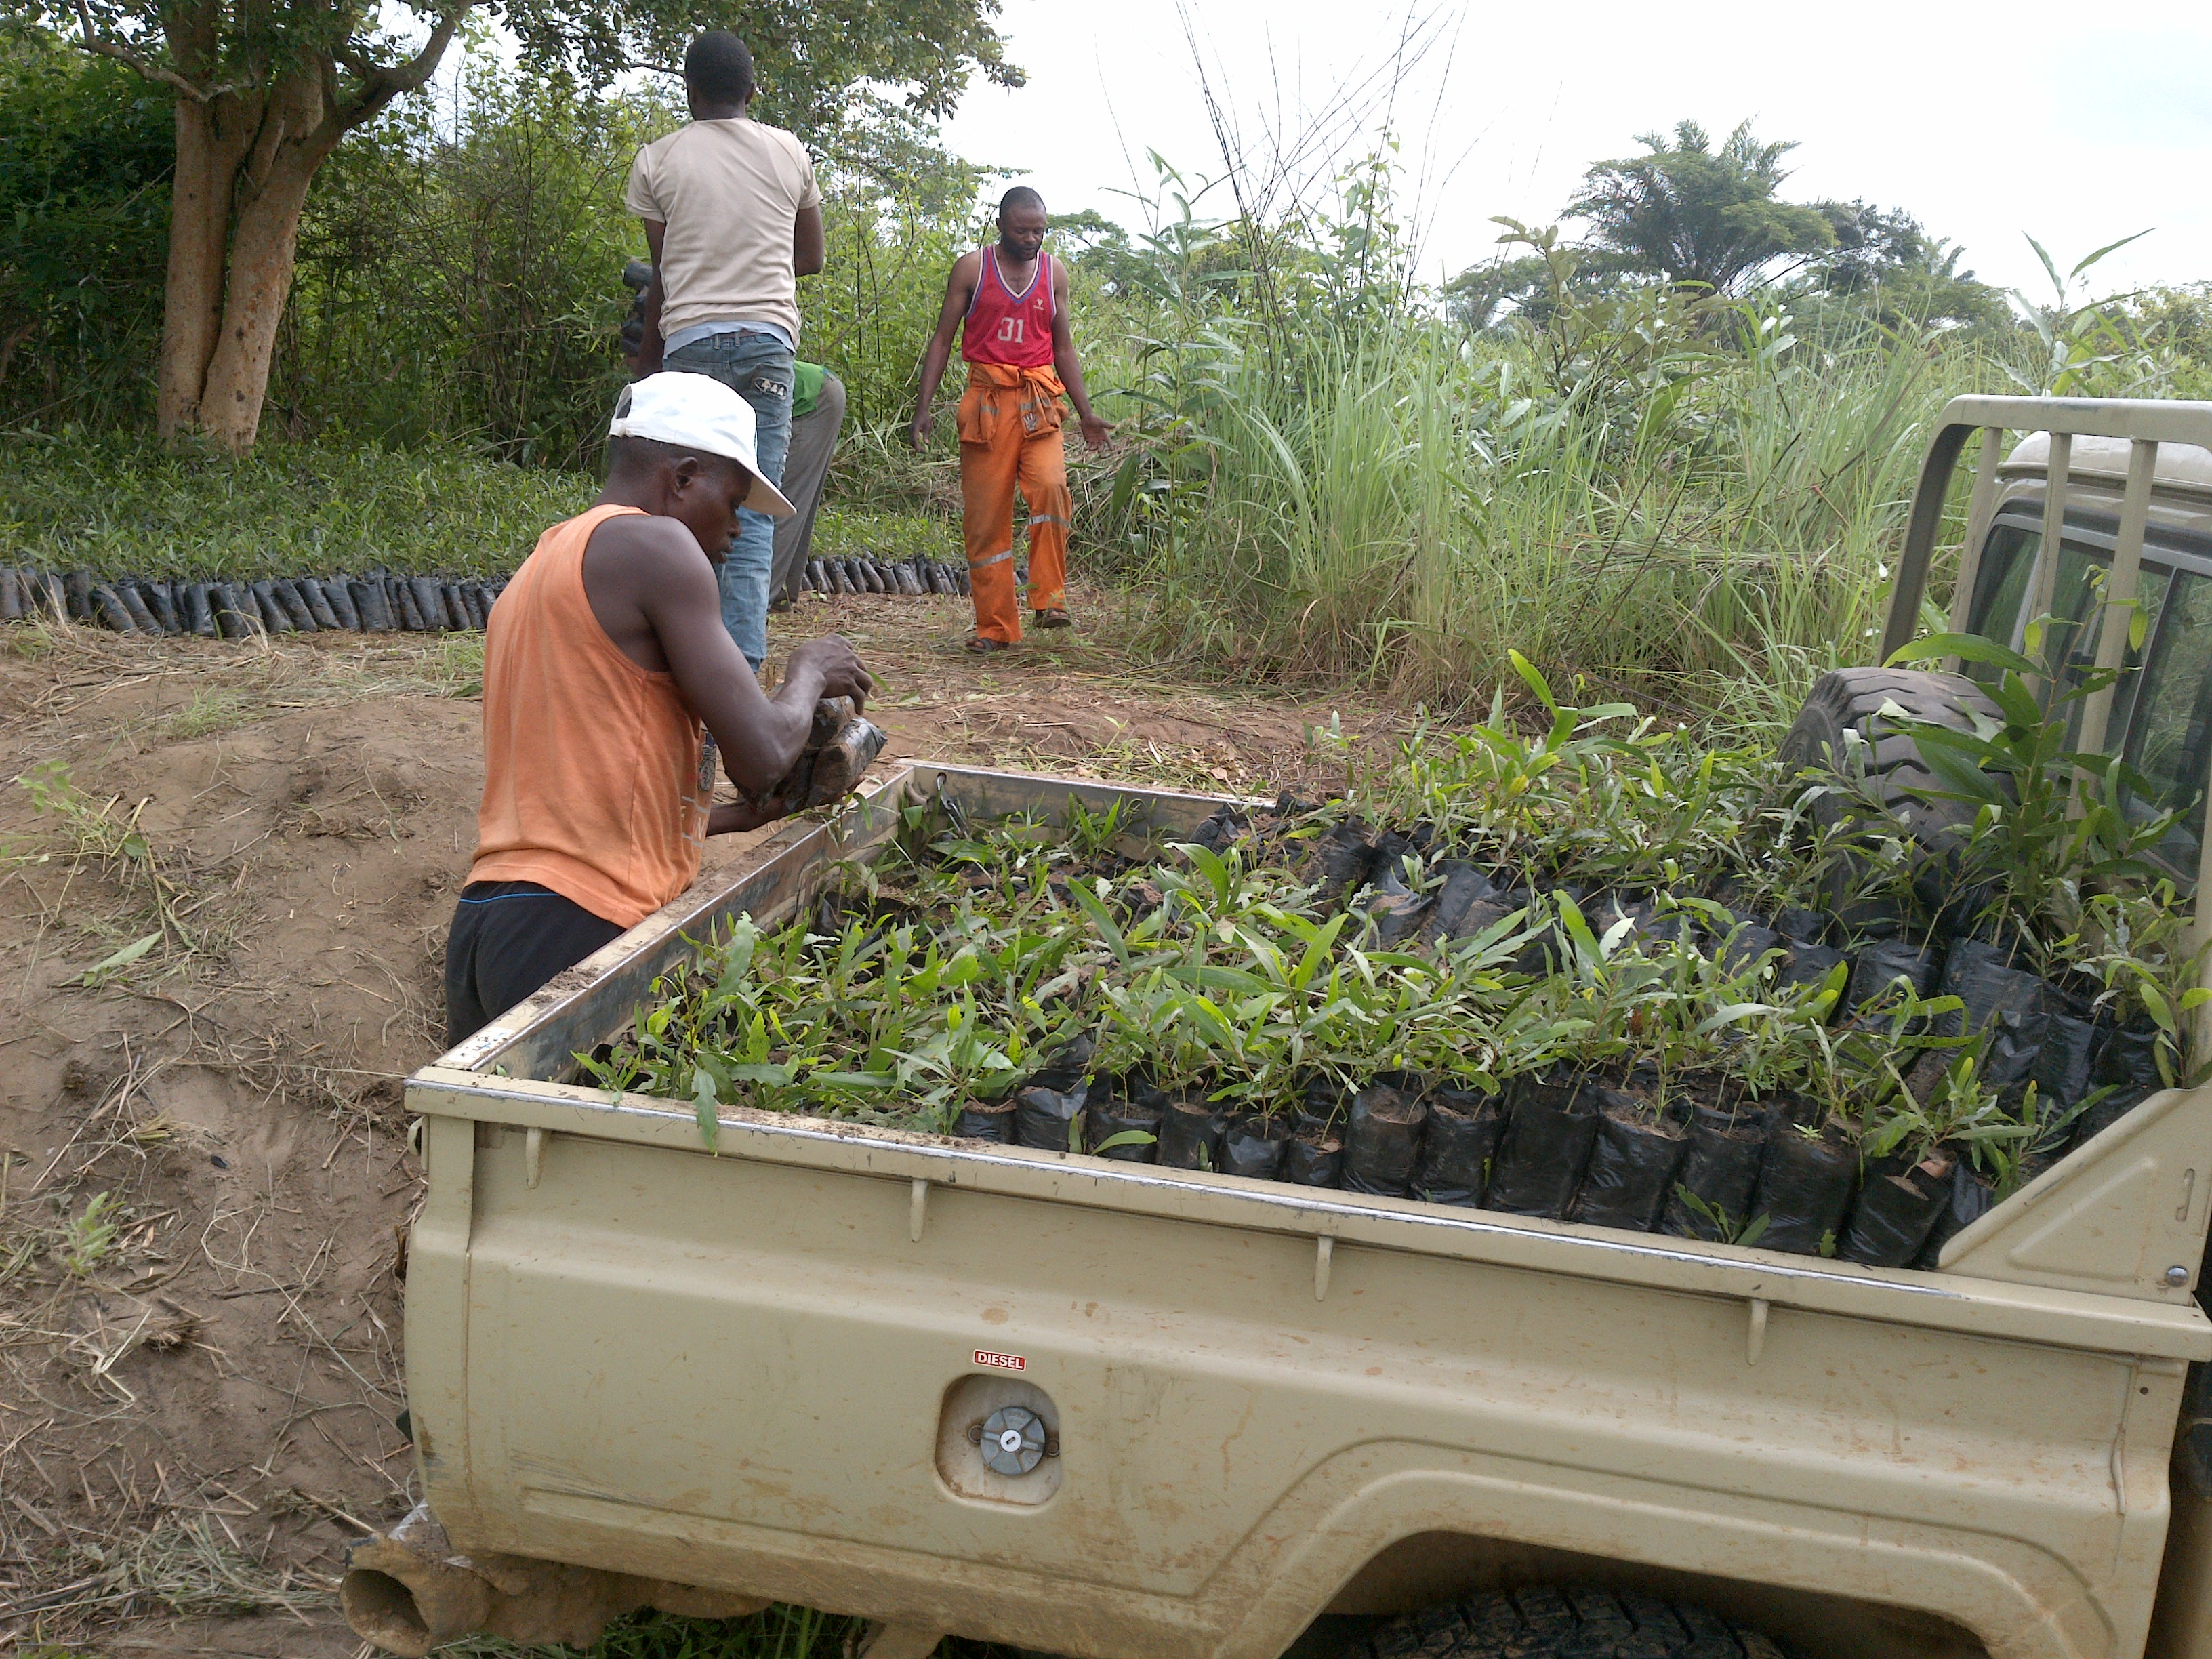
{"points": [[2098, 466]]}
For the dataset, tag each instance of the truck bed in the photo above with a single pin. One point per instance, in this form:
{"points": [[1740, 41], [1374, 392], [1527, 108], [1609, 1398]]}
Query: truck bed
{"points": [[758, 1370]]}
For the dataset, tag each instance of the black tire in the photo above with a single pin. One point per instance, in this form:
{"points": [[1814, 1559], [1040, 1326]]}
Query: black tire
{"points": [[1849, 701], [1548, 1623]]}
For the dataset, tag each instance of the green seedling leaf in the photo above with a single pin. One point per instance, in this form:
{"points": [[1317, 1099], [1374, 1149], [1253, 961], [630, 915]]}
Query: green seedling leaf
{"points": [[1534, 680], [775, 1077], [1211, 867], [1752, 1234], [2016, 702], [706, 1108], [1108, 929], [1585, 943], [1222, 979], [123, 959], [1968, 648], [2155, 1006], [1126, 1138], [1730, 1015]]}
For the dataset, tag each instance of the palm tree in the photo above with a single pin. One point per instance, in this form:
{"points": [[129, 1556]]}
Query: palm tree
{"points": [[1692, 216]]}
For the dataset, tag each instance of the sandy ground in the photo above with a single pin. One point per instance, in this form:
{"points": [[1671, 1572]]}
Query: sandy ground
{"points": [[226, 872]]}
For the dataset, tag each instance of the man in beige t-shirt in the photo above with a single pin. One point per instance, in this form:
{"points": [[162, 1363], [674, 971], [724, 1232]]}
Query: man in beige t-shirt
{"points": [[732, 217]]}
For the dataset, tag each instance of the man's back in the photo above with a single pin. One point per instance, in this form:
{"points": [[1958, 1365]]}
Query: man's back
{"points": [[729, 192]]}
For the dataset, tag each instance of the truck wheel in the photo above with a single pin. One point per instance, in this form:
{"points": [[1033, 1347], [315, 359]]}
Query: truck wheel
{"points": [[1849, 701], [1550, 1623]]}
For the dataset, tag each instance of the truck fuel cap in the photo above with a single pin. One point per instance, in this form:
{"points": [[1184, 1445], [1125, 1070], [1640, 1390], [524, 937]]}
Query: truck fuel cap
{"points": [[1011, 1440]]}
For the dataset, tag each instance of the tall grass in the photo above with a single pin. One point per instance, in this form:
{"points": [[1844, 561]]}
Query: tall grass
{"points": [[1397, 506], [1693, 498]]}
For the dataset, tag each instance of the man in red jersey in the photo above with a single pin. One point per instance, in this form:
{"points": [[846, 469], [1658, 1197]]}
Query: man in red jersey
{"points": [[1009, 303]]}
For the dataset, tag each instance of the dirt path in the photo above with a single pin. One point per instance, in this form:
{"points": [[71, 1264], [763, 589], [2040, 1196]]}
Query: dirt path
{"points": [[225, 876]]}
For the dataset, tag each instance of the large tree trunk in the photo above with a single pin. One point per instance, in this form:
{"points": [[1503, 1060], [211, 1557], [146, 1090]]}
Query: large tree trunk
{"points": [[243, 163], [263, 237], [208, 151], [298, 131]]}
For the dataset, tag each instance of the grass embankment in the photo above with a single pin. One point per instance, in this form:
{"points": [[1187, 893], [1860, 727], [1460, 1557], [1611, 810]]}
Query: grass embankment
{"points": [[124, 507]]}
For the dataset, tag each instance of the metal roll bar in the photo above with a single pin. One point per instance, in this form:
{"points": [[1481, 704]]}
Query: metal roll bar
{"points": [[2146, 423]]}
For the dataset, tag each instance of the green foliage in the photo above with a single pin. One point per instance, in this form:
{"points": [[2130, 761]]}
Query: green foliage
{"points": [[1688, 214], [490, 264], [85, 154], [1726, 1228], [2046, 817], [808, 55], [88, 1239], [463, 279], [1231, 968], [118, 505], [870, 314], [2083, 347], [2177, 319], [1693, 495], [1894, 272], [1658, 487], [460, 277]]}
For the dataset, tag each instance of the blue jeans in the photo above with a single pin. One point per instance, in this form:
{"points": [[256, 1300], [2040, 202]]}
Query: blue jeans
{"points": [[757, 367]]}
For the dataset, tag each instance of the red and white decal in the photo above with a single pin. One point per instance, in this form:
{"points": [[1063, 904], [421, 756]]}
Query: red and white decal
{"points": [[1001, 1362]]}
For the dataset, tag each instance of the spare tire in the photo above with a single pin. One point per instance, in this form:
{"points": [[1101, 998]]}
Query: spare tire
{"points": [[1547, 1623], [1847, 703]]}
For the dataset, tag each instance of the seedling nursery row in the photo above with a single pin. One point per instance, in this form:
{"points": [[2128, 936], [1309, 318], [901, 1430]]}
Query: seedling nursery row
{"points": [[1601, 974], [376, 602]]}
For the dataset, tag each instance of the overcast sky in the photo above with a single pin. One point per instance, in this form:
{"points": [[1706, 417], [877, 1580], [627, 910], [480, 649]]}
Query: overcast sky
{"points": [[2076, 125]]}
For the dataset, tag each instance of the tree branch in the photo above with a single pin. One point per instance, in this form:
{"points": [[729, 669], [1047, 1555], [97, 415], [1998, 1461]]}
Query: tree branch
{"points": [[384, 82], [100, 46]]}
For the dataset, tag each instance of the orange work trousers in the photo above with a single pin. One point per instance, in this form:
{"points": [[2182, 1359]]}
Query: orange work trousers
{"points": [[1009, 436]]}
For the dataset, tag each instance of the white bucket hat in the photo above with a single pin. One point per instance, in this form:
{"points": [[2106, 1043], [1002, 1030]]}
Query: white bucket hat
{"points": [[696, 412]]}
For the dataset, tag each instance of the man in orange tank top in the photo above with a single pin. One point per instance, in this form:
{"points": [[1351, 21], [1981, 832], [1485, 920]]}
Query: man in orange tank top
{"points": [[610, 682], [1009, 305]]}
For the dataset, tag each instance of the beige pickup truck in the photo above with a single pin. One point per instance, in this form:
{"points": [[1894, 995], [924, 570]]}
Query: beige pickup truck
{"points": [[1250, 1417]]}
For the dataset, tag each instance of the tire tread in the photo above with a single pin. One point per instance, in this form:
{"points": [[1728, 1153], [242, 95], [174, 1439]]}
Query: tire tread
{"points": [[1567, 1622], [1889, 762]]}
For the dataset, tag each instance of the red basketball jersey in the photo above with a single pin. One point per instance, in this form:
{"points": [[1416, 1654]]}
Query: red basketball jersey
{"points": [[1003, 326]]}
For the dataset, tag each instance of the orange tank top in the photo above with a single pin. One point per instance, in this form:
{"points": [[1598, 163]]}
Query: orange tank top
{"points": [[597, 776]]}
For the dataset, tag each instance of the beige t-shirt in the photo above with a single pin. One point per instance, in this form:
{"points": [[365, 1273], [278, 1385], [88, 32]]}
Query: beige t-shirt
{"points": [[728, 191]]}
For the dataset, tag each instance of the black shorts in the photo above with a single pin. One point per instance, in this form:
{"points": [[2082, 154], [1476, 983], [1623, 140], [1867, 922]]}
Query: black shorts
{"points": [[508, 937]]}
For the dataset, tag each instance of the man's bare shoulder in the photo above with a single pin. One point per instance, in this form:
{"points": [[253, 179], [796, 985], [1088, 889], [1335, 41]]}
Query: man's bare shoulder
{"points": [[646, 544], [968, 268]]}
